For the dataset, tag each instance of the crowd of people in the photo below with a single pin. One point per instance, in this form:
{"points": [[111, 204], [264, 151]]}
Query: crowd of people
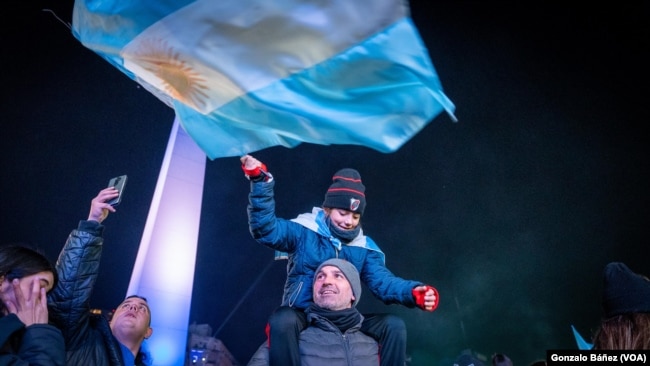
{"points": [[46, 316]]}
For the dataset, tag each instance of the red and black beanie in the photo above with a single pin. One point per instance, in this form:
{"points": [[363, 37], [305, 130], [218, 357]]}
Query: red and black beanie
{"points": [[346, 192]]}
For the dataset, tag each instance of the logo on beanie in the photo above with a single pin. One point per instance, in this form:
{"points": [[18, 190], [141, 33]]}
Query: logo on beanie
{"points": [[354, 204]]}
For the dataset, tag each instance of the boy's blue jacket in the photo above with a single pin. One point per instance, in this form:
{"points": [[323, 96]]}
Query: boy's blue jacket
{"points": [[307, 242]]}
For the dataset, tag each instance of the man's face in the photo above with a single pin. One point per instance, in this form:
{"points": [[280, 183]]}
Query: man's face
{"points": [[132, 318], [332, 290], [343, 219]]}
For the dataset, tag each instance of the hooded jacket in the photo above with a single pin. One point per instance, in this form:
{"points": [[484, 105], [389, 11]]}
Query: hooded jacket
{"points": [[38, 344], [308, 242], [88, 337]]}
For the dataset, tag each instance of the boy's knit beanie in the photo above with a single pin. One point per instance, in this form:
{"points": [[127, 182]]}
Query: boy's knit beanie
{"points": [[346, 192]]}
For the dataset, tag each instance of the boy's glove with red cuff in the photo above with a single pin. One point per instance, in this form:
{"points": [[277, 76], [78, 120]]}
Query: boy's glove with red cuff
{"points": [[418, 295], [256, 174]]}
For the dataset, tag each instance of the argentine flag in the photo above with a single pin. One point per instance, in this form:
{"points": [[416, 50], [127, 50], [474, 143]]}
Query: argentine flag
{"points": [[244, 75]]}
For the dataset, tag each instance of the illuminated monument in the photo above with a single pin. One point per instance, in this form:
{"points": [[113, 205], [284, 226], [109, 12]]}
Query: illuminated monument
{"points": [[164, 267]]}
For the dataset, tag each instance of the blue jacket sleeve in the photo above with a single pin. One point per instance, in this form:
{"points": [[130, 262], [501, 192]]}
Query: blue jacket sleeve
{"points": [[384, 284], [267, 229]]}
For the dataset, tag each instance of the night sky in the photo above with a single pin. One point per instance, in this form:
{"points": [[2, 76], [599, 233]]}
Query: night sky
{"points": [[511, 212]]}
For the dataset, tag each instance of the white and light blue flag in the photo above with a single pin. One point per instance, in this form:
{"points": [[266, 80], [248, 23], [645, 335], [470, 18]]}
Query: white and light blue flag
{"points": [[244, 75]]}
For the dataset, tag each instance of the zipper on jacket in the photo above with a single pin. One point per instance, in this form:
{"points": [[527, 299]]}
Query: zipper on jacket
{"points": [[292, 300]]}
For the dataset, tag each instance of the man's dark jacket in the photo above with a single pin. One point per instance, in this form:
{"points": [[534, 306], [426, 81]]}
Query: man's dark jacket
{"points": [[88, 337]]}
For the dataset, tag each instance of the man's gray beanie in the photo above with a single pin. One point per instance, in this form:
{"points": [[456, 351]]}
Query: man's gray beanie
{"points": [[349, 271]]}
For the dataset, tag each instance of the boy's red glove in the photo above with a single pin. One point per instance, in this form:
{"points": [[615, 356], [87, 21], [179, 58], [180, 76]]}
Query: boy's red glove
{"points": [[419, 297], [255, 173]]}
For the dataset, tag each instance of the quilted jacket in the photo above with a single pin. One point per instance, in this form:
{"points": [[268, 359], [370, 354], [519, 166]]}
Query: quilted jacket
{"points": [[322, 343], [88, 337]]}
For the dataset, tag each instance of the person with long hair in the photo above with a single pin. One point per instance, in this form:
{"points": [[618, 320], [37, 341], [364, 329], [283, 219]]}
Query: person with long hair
{"points": [[626, 306], [26, 337]]}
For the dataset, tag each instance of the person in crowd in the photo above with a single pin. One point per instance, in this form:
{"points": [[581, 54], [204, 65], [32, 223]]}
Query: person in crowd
{"points": [[499, 359], [467, 358], [333, 334], [626, 309], [93, 339], [331, 231], [26, 338]]}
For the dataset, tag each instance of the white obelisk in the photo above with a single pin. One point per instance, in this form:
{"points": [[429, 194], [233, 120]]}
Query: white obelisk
{"points": [[164, 267]]}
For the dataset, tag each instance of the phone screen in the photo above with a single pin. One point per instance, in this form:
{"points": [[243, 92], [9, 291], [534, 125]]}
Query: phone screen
{"points": [[118, 183]]}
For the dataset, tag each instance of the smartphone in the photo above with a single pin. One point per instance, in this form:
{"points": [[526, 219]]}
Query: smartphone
{"points": [[118, 183]]}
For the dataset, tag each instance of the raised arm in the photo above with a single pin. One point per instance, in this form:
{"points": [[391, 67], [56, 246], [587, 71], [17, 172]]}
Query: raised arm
{"points": [[77, 267]]}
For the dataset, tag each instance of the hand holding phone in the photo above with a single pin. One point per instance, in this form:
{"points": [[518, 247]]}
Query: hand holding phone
{"points": [[118, 183]]}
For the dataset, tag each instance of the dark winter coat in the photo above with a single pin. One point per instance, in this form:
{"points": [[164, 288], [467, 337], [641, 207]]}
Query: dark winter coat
{"points": [[38, 344], [322, 343], [308, 243], [88, 337]]}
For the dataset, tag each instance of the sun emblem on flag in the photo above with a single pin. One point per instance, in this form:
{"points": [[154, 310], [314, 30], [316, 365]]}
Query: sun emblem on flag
{"points": [[177, 77]]}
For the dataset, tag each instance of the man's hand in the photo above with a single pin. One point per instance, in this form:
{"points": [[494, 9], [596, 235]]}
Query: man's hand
{"points": [[99, 209]]}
